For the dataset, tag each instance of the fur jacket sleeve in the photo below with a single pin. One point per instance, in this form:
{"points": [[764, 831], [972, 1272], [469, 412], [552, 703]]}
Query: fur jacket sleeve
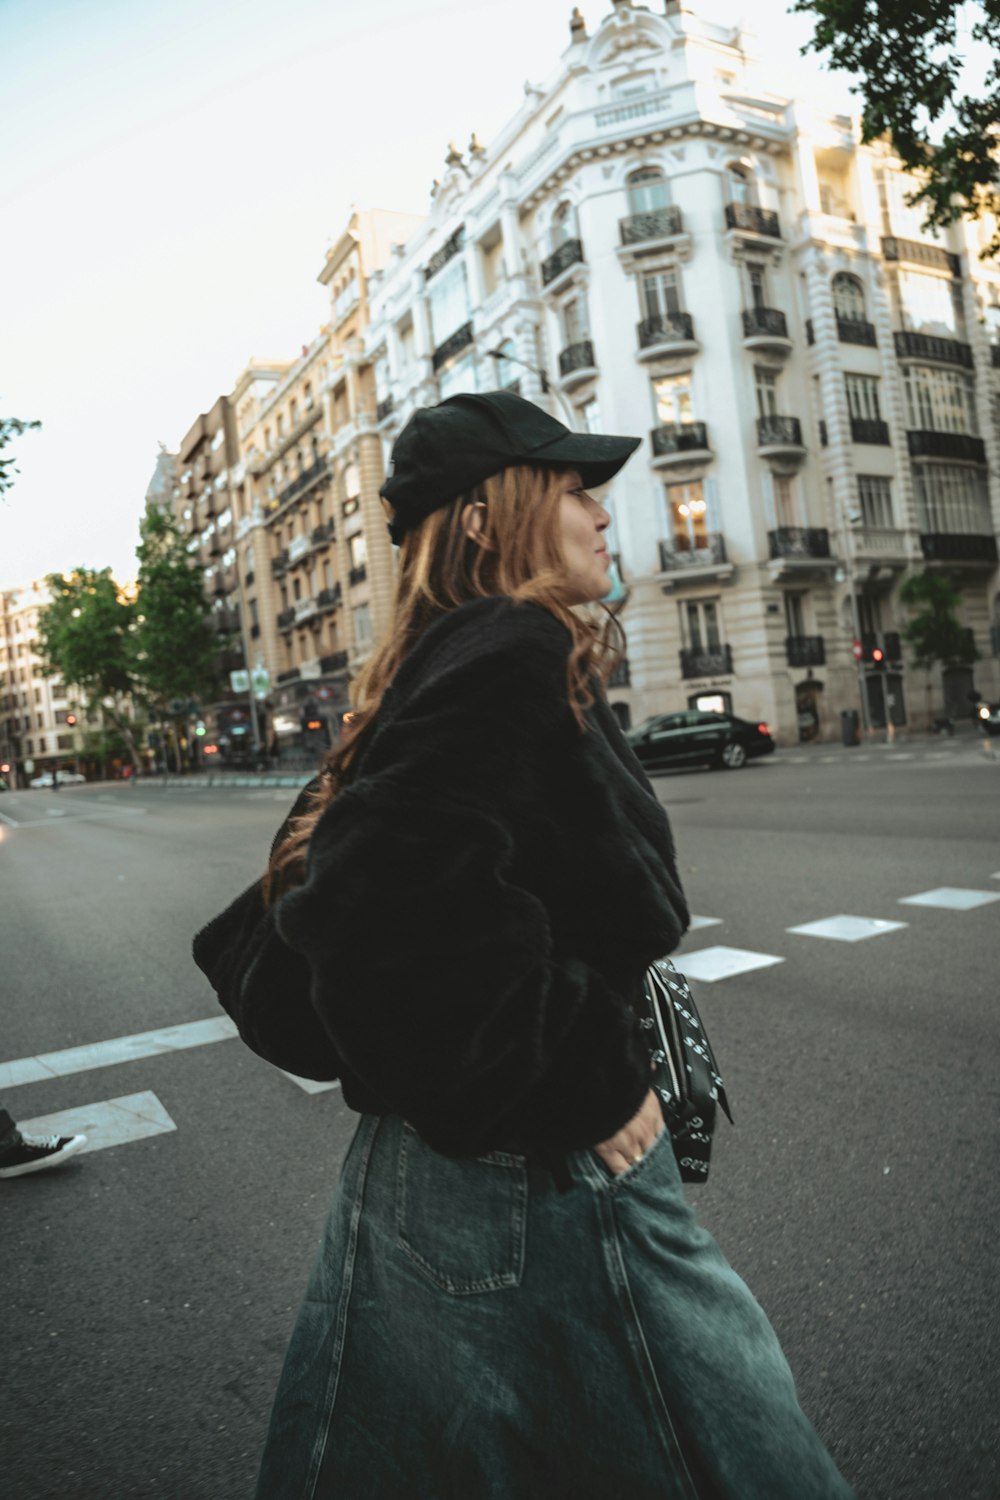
{"points": [[481, 902]]}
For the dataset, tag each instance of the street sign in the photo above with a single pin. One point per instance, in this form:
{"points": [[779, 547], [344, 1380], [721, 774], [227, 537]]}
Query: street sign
{"points": [[239, 681], [261, 679], [323, 693], [857, 649]]}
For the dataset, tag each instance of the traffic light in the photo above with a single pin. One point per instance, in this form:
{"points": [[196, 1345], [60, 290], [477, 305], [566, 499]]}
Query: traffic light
{"points": [[873, 652], [71, 720], [200, 729]]}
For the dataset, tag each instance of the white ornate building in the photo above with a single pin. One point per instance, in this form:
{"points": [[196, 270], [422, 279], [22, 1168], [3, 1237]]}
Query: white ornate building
{"points": [[683, 252]]}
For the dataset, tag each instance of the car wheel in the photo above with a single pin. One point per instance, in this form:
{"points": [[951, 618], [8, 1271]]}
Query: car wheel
{"points": [[734, 756]]}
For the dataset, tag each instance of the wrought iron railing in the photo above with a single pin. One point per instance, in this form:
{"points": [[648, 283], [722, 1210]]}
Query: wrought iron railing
{"points": [[654, 224], [666, 328], [358, 574], [326, 531], [679, 437], [329, 598], [286, 619], [930, 346], [706, 661], [954, 546], [279, 564], [447, 252], [798, 541], [751, 216], [923, 443], [870, 430], [308, 477], [452, 345], [291, 674], [758, 321], [779, 432], [805, 650], [569, 253], [674, 555], [856, 331], [335, 662], [384, 408], [578, 356]]}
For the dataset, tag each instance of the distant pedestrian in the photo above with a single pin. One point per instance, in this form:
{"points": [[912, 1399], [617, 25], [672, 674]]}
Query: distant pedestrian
{"points": [[513, 1298], [20, 1153]]}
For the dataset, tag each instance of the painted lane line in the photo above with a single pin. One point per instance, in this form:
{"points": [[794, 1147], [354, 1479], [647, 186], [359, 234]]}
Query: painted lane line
{"points": [[110, 1122], [846, 929], [697, 922], [951, 898], [11, 822], [720, 962], [311, 1085], [119, 1050]]}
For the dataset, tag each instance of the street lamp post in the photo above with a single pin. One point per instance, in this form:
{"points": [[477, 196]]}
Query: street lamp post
{"points": [[254, 726], [565, 405]]}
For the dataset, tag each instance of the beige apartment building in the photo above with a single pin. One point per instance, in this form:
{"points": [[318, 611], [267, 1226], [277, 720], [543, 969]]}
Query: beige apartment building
{"points": [[34, 735]]}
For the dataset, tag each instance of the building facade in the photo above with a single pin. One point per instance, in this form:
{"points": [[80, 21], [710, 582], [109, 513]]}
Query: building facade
{"points": [[658, 242], [34, 734]]}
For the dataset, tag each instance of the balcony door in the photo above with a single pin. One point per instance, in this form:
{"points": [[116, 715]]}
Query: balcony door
{"points": [[574, 321], [701, 625], [660, 294], [756, 280], [766, 383], [672, 399], [647, 191], [688, 513]]}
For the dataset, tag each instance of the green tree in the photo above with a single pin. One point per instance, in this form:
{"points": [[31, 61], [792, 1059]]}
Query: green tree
{"points": [[11, 427], [909, 57], [86, 637], [176, 649], [933, 631]]}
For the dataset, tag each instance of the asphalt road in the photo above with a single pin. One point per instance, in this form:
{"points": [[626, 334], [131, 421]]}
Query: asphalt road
{"points": [[149, 1288]]}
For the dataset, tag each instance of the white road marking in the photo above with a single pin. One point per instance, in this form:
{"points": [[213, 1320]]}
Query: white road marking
{"points": [[951, 897], [11, 822], [846, 929], [110, 1122], [120, 1049], [310, 1085], [720, 962], [899, 755], [697, 922]]}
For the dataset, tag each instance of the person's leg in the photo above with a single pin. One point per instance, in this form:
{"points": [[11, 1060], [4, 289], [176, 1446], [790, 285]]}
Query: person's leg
{"points": [[21, 1154], [9, 1134]]}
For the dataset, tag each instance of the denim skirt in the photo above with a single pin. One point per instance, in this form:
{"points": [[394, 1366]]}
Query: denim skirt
{"points": [[471, 1333]]}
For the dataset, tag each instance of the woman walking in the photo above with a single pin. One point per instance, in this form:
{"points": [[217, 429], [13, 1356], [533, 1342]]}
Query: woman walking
{"points": [[512, 1299]]}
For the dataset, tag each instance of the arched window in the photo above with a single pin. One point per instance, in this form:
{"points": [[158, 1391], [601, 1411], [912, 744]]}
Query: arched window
{"points": [[647, 190], [563, 225], [848, 297], [742, 187]]}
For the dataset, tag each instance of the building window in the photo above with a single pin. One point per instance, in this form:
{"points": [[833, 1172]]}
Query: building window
{"points": [[951, 498], [457, 377], [563, 225], [939, 400], [362, 624], [929, 304], [795, 624], [688, 513], [352, 482], [766, 384], [757, 285], [875, 498], [672, 398], [862, 397], [449, 301], [590, 415], [848, 297], [358, 550], [742, 188], [491, 255], [786, 510], [574, 321], [660, 294], [700, 624], [647, 190]]}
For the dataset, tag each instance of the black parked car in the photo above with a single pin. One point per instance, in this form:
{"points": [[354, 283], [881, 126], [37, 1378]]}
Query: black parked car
{"points": [[693, 738]]}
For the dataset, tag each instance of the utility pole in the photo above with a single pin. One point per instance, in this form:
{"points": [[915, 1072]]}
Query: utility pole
{"points": [[254, 725]]}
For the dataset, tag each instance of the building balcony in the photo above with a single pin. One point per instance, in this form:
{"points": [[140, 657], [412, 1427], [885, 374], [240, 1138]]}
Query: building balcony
{"points": [[751, 219], [304, 609], [807, 542], [286, 619], [298, 548], [335, 662], [706, 661], [291, 674], [325, 532], [682, 564], [561, 264], [453, 344], [648, 229], [856, 331], [328, 598], [928, 346], [447, 252], [384, 408], [868, 430], [880, 546], [666, 334], [805, 651], [780, 437], [224, 621], [765, 328], [304, 482], [357, 575], [225, 582], [577, 364], [679, 443], [916, 253], [924, 443], [957, 547], [279, 564]]}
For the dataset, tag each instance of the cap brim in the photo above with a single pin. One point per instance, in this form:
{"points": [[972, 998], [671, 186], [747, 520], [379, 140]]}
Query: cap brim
{"points": [[596, 456]]}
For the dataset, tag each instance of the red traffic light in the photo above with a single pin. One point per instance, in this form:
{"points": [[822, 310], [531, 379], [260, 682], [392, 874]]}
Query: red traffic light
{"points": [[314, 723], [71, 718], [878, 654], [4, 769]]}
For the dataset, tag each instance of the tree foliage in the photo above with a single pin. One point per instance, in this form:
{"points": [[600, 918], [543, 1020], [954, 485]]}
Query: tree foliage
{"points": [[175, 648], [933, 631], [11, 427], [909, 56]]}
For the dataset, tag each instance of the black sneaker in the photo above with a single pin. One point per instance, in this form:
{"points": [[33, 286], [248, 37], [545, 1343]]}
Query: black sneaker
{"points": [[34, 1153]]}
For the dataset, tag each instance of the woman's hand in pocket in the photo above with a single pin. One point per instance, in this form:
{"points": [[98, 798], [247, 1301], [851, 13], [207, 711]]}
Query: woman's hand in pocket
{"points": [[632, 1142]]}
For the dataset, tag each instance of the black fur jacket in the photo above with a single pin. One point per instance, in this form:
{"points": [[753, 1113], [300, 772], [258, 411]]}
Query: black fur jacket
{"points": [[480, 904]]}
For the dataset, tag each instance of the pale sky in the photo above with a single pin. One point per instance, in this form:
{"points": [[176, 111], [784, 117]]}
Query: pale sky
{"points": [[172, 172]]}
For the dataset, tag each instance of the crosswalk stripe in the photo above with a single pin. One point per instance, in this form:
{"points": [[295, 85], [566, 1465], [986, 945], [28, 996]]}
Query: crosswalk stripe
{"points": [[311, 1085], [951, 898], [844, 929], [109, 1122], [722, 962], [118, 1050]]}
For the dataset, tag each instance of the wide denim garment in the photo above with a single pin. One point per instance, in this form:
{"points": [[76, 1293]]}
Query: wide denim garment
{"points": [[470, 1333]]}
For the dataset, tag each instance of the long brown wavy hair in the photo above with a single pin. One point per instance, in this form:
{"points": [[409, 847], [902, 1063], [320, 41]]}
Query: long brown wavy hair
{"points": [[519, 555]]}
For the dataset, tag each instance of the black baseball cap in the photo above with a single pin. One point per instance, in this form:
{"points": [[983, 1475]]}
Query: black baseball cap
{"points": [[443, 451]]}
